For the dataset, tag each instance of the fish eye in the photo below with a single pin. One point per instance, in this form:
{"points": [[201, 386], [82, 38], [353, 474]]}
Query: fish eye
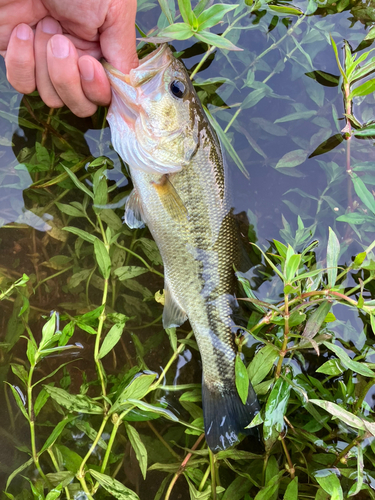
{"points": [[177, 88]]}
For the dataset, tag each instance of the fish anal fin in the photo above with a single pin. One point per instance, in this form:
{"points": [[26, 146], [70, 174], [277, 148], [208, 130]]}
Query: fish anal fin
{"points": [[170, 199], [133, 211], [173, 314], [225, 416]]}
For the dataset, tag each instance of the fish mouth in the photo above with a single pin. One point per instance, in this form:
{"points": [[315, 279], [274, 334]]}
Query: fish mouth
{"points": [[125, 87]]}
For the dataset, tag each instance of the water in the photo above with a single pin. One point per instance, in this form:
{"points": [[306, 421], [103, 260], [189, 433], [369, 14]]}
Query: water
{"points": [[316, 190]]}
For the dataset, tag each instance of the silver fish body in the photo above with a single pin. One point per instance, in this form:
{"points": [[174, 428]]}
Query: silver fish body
{"points": [[159, 128]]}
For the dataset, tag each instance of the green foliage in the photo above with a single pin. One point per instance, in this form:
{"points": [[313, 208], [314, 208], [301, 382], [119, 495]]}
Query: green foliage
{"points": [[94, 399]]}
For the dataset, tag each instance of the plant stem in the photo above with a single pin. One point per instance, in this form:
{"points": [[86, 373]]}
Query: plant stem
{"points": [[356, 441], [81, 472], [56, 465], [168, 365], [283, 350], [151, 269], [213, 474], [163, 441], [30, 411], [97, 343], [290, 463], [182, 467]]}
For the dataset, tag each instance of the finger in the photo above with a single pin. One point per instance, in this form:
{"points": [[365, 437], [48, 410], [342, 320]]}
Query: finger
{"points": [[44, 31], [62, 61], [94, 81], [19, 59], [117, 40]]}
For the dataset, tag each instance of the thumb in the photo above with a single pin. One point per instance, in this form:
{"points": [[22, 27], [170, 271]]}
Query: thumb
{"points": [[117, 38]]}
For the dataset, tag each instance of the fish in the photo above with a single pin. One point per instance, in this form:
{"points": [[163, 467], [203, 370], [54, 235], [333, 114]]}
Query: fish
{"points": [[179, 174]]}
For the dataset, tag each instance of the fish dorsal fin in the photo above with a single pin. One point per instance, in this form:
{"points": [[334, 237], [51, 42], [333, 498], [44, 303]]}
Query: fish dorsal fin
{"points": [[133, 211], [173, 314], [171, 199]]}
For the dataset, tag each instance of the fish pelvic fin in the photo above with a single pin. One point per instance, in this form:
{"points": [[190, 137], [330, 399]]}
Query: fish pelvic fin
{"points": [[225, 416], [133, 211], [173, 314], [170, 199]]}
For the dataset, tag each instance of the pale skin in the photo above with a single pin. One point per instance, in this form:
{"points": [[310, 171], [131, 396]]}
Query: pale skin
{"points": [[54, 46]]}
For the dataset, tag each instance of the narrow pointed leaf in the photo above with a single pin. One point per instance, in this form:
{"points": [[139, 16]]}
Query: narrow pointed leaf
{"points": [[333, 252]]}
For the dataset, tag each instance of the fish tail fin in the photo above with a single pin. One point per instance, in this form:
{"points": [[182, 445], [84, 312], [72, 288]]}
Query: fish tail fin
{"points": [[225, 416]]}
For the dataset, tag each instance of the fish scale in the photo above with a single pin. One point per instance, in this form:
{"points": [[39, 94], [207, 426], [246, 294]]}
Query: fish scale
{"points": [[180, 192]]}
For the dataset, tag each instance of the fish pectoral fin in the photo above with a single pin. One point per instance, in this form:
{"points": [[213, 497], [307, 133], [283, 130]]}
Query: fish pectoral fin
{"points": [[170, 199], [133, 211], [173, 314]]}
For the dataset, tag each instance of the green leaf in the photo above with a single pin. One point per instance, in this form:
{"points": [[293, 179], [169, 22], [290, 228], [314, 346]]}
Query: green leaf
{"points": [[128, 272], [237, 489], [85, 427], [330, 483], [20, 371], [138, 447], [102, 257], [338, 59], [69, 458], [114, 487], [363, 193], [357, 486], [226, 143], [242, 379], [48, 331], [152, 409], [316, 320], [292, 159], [291, 266], [166, 10], [215, 40], [355, 218], [364, 89], [368, 131], [79, 403], [262, 363], [355, 366], [82, 234], [281, 9], [338, 412], [111, 339], [40, 401], [177, 31], [186, 12], [333, 252], [302, 115], [271, 488], [291, 493], [17, 471], [20, 402], [78, 183], [332, 367], [137, 389], [69, 210], [54, 493], [56, 433], [213, 15], [275, 410]]}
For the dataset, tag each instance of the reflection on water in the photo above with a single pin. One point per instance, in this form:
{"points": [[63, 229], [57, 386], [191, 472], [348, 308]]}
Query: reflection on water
{"points": [[279, 110]]}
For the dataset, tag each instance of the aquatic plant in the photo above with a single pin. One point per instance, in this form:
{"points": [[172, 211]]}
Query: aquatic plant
{"points": [[98, 400]]}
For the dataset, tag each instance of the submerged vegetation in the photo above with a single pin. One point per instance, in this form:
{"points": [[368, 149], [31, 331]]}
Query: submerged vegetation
{"points": [[99, 400]]}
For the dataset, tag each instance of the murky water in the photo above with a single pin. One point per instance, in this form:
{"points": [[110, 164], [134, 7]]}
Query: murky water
{"points": [[295, 113]]}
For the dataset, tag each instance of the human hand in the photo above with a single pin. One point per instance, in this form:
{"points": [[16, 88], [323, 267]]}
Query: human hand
{"points": [[54, 46]]}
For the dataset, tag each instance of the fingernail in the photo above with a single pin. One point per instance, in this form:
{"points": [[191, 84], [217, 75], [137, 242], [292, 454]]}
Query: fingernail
{"points": [[86, 69], [60, 46], [23, 32], [50, 26]]}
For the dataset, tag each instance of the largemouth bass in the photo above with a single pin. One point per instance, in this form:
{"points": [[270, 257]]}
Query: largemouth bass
{"points": [[159, 128]]}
